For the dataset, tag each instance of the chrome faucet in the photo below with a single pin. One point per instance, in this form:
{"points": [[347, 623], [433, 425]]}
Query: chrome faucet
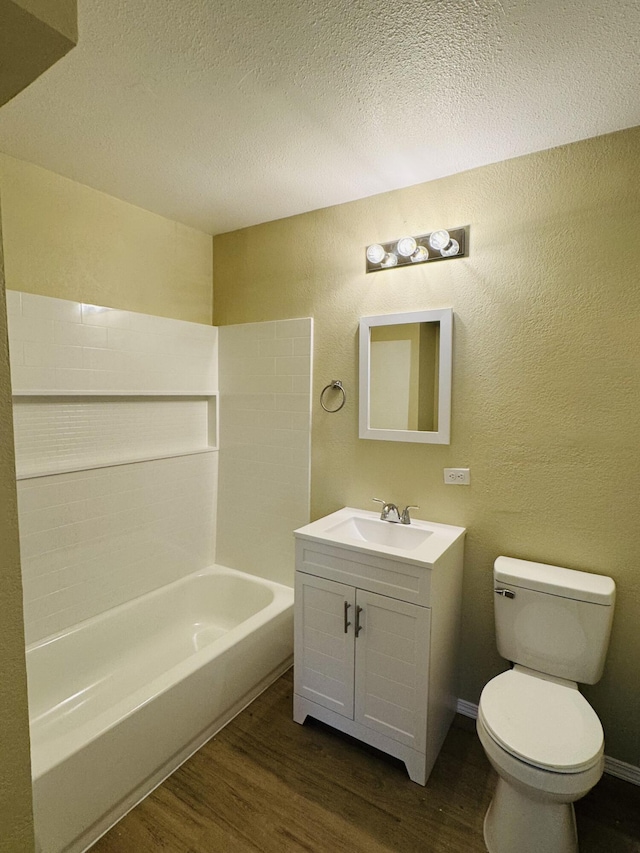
{"points": [[390, 512], [405, 518]]}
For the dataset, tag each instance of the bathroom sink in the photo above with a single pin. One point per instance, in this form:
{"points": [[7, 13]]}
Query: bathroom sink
{"points": [[406, 537], [420, 542]]}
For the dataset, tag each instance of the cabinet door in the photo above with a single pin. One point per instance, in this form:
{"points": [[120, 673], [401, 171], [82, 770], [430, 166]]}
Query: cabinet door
{"points": [[392, 668], [323, 669]]}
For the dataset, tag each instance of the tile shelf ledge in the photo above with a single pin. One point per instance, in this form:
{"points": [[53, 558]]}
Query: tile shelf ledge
{"points": [[19, 392], [112, 463]]}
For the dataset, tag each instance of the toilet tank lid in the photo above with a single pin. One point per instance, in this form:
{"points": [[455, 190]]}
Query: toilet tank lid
{"points": [[568, 583]]}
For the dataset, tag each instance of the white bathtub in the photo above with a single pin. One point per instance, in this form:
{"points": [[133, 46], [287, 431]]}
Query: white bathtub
{"points": [[121, 700]]}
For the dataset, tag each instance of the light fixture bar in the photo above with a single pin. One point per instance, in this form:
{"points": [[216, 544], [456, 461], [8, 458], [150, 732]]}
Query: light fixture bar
{"points": [[439, 245]]}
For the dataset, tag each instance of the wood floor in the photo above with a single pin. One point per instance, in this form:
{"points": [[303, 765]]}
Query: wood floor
{"points": [[268, 785]]}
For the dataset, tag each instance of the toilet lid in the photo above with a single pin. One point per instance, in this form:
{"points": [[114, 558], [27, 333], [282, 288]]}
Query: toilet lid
{"points": [[546, 723]]}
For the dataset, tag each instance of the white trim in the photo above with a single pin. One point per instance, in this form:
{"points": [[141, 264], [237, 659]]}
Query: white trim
{"points": [[622, 770], [612, 766], [72, 469], [444, 316], [467, 709]]}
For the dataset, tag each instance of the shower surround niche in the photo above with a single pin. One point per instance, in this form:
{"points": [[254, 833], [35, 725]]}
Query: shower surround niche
{"points": [[115, 421]]}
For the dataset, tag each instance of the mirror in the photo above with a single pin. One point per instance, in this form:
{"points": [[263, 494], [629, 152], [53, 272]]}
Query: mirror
{"points": [[405, 376]]}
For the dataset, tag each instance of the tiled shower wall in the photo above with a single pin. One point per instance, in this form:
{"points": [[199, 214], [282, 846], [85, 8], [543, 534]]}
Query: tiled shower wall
{"points": [[265, 410], [70, 346], [67, 433], [110, 528], [91, 540]]}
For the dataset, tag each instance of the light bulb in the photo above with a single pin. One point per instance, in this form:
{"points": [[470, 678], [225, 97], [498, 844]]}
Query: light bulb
{"points": [[389, 260], [439, 239], [421, 254], [375, 253], [406, 246], [452, 249]]}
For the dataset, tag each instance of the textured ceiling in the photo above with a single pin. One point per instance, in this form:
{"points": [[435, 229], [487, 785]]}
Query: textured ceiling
{"points": [[226, 113]]}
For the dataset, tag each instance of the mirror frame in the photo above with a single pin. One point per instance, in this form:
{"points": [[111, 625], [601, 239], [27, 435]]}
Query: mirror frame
{"points": [[444, 316]]}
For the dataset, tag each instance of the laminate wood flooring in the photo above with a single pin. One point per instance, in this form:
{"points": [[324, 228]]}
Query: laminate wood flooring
{"points": [[267, 785]]}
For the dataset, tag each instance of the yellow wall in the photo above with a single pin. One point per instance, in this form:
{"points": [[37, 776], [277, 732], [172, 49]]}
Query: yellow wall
{"points": [[546, 399], [66, 240], [34, 34], [61, 14], [30, 42], [16, 833]]}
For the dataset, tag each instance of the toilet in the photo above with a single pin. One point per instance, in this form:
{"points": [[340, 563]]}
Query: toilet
{"points": [[540, 734]]}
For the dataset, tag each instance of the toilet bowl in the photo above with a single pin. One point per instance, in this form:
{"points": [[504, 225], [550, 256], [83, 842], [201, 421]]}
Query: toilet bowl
{"points": [[546, 744], [538, 731]]}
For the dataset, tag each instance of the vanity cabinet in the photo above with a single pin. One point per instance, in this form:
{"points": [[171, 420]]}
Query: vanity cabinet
{"points": [[364, 656], [375, 647]]}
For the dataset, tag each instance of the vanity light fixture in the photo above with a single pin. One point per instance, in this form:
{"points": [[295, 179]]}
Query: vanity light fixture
{"points": [[439, 245]]}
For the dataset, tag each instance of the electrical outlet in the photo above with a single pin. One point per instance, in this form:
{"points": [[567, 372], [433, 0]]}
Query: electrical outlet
{"points": [[457, 476]]}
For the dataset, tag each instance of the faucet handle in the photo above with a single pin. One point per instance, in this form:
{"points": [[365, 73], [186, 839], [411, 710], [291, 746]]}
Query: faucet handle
{"points": [[405, 518], [383, 517]]}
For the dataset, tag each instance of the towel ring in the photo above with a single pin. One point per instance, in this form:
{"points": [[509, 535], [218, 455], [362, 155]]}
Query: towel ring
{"points": [[336, 383]]}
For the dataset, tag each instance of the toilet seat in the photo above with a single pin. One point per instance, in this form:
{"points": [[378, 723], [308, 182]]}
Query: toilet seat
{"points": [[542, 720]]}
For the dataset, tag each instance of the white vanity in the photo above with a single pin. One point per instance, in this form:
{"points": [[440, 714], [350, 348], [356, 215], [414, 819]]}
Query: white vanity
{"points": [[377, 614]]}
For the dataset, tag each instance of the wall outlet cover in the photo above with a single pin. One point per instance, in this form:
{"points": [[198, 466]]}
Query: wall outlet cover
{"points": [[457, 476]]}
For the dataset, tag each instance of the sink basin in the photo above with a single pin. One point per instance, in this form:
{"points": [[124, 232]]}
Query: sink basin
{"points": [[421, 542], [406, 537]]}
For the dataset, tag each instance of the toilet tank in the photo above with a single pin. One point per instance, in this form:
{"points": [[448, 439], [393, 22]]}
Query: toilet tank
{"points": [[553, 620]]}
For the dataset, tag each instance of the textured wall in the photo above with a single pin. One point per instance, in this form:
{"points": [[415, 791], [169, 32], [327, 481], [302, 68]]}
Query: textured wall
{"points": [[16, 819], [546, 399], [62, 14], [34, 34], [67, 240]]}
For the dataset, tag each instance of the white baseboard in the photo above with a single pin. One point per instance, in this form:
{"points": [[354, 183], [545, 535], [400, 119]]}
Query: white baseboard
{"points": [[612, 766], [467, 709], [622, 770]]}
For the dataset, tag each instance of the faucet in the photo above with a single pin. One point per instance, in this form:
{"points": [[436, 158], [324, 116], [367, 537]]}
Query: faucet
{"points": [[390, 512], [406, 518]]}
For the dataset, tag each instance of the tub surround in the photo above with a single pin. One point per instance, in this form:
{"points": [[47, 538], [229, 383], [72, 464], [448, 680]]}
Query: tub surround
{"points": [[57, 345], [116, 423], [75, 432], [115, 420], [265, 453], [94, 539]]}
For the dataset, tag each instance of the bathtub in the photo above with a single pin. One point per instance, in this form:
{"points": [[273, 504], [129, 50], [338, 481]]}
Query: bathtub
{"points": [[120, 701]]}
